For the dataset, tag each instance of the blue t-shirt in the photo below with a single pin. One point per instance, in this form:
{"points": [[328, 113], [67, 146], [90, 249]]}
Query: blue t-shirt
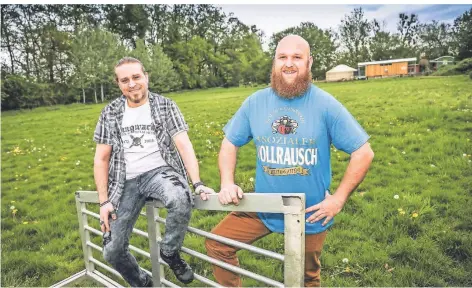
{"points": [[293, 138]]}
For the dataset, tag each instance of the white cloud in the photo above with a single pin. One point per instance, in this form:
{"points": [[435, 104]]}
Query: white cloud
{"points": [[275, 18]]}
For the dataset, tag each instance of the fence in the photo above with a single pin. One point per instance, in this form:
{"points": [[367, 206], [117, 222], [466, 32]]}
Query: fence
{"points": [[291, 205]]}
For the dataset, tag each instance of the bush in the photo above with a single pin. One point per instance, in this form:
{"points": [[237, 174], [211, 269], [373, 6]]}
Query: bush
{"points": [[19, 92], [15, 90], [462, 67], [465, 65]]}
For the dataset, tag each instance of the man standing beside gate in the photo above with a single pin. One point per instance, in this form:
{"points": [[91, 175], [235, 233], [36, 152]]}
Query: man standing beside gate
{"points": [[142, 148], [293, 124]]}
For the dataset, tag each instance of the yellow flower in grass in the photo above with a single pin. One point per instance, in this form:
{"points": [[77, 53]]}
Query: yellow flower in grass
{"points": [[16, 151], [26, 222], [402, 212], [414, 215]]}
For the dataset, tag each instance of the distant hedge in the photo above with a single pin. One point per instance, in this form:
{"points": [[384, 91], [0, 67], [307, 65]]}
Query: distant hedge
{"points": [[462, 67]]}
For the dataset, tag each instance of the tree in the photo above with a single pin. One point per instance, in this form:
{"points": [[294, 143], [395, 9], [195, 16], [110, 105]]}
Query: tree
{"points": [[462, 34], [131, 22], [8, 39], [192, 62], [354, 35], [162, 76], [105, 51], [59, 51], [407, 27], [159, 15], [82, 59], [383, 44], [435, 39]]}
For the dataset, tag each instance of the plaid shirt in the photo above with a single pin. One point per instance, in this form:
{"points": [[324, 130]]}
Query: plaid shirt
{"points": [[167, 120]]}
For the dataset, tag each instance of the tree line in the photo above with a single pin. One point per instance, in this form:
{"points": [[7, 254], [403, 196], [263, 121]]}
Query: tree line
{"points": [[60, 54]]}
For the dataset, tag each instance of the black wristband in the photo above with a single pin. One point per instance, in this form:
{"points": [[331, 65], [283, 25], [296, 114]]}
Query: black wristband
{"points": [[104, 203], [195, 185]]}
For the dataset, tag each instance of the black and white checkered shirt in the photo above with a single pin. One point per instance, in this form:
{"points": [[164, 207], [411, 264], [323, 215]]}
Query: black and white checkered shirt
{"points": [[168, 121]]}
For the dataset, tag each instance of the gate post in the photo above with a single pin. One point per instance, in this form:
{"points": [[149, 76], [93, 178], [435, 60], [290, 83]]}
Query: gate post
{"points": [[294, 234], [154, 234], [84, 235]]}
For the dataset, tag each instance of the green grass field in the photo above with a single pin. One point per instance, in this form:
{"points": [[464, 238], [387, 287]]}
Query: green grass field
{"points": [[421, 131]]}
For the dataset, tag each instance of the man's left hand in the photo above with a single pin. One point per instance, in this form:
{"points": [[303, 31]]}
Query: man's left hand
{"points": [[204, 191], [327, 208]]}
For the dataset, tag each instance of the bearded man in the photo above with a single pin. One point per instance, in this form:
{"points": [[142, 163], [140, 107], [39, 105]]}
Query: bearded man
{"points": [[310, 120]]}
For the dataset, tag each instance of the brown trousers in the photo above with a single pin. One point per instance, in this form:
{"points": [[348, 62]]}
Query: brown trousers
{"points": [[247, 228]]}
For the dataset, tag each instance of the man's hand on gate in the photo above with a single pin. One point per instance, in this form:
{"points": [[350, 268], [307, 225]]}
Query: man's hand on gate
{"points": [[105, 211], [230, 194], [327, 208], [203, 191]]}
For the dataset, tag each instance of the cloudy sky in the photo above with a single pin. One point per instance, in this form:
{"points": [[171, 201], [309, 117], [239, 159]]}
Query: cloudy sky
{"points": [[275, 18]]}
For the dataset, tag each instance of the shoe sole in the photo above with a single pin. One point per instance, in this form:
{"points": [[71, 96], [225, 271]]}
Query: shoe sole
{"points": [[186, 282]]}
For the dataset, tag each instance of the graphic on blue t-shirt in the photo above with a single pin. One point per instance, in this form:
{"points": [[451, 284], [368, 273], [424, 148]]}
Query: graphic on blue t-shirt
{"points": [[293, 139], [284, 125], [284, 149]]}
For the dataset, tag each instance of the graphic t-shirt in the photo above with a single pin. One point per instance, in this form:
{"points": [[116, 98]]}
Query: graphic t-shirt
{"points": [[293, 139], [140, 141]]}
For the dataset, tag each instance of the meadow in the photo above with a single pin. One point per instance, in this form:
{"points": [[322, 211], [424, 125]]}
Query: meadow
{"points": [[408, 224]]}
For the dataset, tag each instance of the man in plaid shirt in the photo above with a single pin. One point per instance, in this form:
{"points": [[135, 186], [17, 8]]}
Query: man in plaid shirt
{"points": [[143, 151]]}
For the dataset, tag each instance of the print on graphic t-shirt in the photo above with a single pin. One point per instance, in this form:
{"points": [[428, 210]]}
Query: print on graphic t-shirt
{"points": [[283, 147], [138, 135]]}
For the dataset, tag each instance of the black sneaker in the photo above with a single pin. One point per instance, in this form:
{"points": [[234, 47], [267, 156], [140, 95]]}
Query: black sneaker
{"points": [[181, 269]]}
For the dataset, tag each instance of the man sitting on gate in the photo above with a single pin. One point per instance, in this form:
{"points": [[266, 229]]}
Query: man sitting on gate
{"points": [[142, 147], [293, 124]]}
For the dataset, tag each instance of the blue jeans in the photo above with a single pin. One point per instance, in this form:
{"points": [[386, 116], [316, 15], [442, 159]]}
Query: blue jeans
{"points": [[163, 184]]}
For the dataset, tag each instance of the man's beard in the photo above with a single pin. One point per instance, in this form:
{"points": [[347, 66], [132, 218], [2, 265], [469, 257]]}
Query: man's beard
{"points": [[292, 90], [138, 98]]}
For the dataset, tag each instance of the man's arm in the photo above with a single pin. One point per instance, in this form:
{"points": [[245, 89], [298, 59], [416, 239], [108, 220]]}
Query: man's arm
{"points": [[100, 172], [185, 148], [227, 165], [356, 170]]}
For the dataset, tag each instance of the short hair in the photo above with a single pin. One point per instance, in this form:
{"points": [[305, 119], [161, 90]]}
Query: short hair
{"points": [[127, 60]]}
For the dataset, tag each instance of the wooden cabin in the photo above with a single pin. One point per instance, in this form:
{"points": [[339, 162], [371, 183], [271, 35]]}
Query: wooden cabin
{"points": [[386, 68]]}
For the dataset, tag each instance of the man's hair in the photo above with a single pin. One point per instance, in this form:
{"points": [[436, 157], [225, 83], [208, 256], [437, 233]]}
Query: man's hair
{"points": [[127, 60]]}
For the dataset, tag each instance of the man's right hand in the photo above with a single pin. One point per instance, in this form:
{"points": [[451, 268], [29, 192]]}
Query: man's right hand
{"points": [[105, 211], [230, 194]]}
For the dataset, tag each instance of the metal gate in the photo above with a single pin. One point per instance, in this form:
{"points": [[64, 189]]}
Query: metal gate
{"points": [[291, 205]]}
